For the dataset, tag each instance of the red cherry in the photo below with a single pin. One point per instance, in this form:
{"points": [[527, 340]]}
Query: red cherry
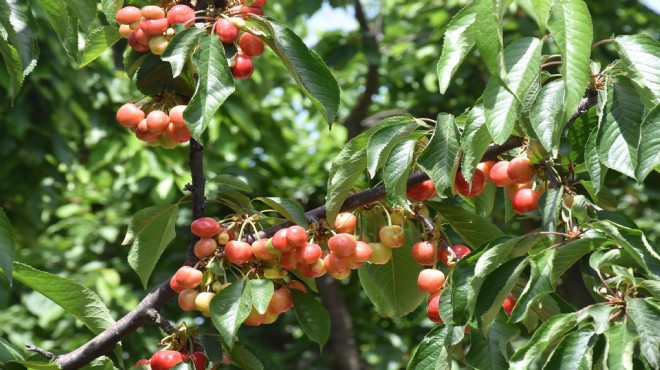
{"points": [[153, 27], [433, 311], [180, 14], [313, 270], [178, 134], [345, 223], [485, 167], [136, 44], [199, 359], [251, 45], [252, 10], [259, 3], [296, 236], [525, 200], [289, 261], [142, 362], [498, 174], [448, 260], [205, 227], [157, 122], [226, 31], [129, 115], [392, 236], [187, 298], [243, 67], [509, 303], [175, 286], [310, 253], [280, 301], [153, 12], [280, 241], [512, 189], [335, 264], [128, 15], [430, 280], [362, 252], [297, 285], [260, 250], [478, 184], [165, 360], [188, 277], [238, 252], [422, 191], [520, 170], [342, 245], [423, 253], [254, 318]]}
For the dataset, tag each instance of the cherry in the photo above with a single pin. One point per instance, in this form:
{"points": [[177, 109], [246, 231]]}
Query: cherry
{"points": [[187, 298], [165, 359], [422, 191], [176, 115], [180, 14], [238, 252], [188, 277], [512, 189], [392, 236], [568, 200], [178, 134], [477, 185], [203, 302], [205, 227], [157, 122], [268, 319], [289, 261], [296, 236], [252, 10], [125, 30], [345, 223], [297, 285], [423, 253], [251, 45], [142, 362], [509, 303], [430, 280], [280, 301], [153, 12], [129, 115], [280, 242], [525, 200], [342, 245], [254, 318], [485, 167], [335, 264], [243, 67], [128, 15], [148, 137], [226, 31], [446, 257], [260, 251], [175, 286], [342, 275], [153, 27], [258, 3], [433, 311], [380, 254], [136, 43], [362, 252], [158, 44], [498, 174], [199, 359], [310, 253], [520, 170], [313, 270]]}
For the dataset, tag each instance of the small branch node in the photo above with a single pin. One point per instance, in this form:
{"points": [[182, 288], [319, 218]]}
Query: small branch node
{"points": [[49, 355], [155, 317]]}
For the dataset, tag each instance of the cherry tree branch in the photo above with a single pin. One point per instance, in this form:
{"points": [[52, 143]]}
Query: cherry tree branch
{"points": [[104, 342]]}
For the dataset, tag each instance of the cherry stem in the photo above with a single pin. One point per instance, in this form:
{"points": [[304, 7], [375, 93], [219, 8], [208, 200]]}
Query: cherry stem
{"points": [[601, 42], [558, 62]]}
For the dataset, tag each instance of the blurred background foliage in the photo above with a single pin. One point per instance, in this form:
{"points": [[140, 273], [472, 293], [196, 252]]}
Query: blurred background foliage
{"points": [[71, 177]]}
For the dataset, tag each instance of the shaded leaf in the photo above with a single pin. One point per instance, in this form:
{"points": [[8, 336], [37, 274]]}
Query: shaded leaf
{"points": [[644, 314], [539, 10], [179, 50], [230, 308], [621, 341], [396, 170], [570, 352], [496, 288], [648, 153], [383, 140], [474, 142], [261, 291], [542, 339], [490, 352], [641, 56], [291, 210], [312, 316], [550, 205], [99, 40], [441, 157], [7, 246], [473, 229], [432, 353]]}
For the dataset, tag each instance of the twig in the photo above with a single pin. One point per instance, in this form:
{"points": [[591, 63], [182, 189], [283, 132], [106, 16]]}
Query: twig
{"points": [[49, 355], [550, 173], [155, 317]]}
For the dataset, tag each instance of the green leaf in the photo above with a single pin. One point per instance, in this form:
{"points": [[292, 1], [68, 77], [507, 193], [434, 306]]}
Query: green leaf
{"points": [[621, 341], [571, 28], [634, 243], [432, 353], [150, 231], [474, 142], [490, 352], [261, 291], [180, 48], [242, 357], [441, 156], [307, 68], [57, 13], [291, 210], [501, 111], [99, 40], [474, 230], [232, 182], [592, 161], [8, 352], [546, 115], [570, 352], [110, 8], [214, 85], [641, 57], [487, 31], [458, 42], [550, 205], [7, 246], [644, 314], [18, 42], [618, 136], [85, 10], [312, 316], [542, 340], [384, 139], [230, 308], [648, 153], [392, 287], [77, 300], [547, 269], [396, 170], [539, 10], [154, 76]]}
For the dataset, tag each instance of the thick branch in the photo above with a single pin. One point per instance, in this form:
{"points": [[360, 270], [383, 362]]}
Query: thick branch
{"points": [[196, 163], [158, 297]]}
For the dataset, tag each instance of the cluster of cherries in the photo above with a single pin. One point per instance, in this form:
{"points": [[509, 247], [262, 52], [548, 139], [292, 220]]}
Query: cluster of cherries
{"points": [[154, 126], [166, 359], [152, 27]]}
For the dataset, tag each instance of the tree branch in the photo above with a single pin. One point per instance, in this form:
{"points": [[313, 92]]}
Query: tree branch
{"points": [[159, 296]]}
